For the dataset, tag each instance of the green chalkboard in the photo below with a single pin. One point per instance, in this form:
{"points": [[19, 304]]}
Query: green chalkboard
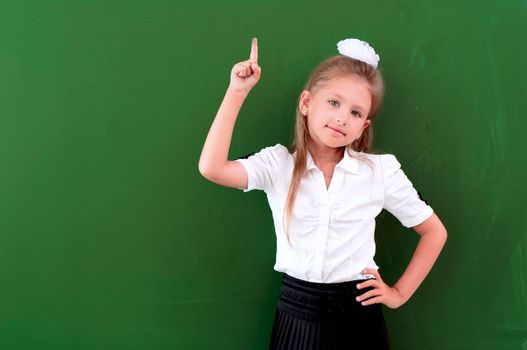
{"points": [[110, 237]]}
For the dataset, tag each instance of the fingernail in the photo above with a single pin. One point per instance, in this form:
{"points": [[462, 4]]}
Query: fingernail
{"points": [[357, 298]]}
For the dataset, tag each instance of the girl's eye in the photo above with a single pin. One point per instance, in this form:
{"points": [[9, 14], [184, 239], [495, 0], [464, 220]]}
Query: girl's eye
{"points": [[355, 113]]}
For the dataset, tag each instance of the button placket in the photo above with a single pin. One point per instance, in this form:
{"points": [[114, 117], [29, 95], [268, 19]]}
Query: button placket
{"points": [[322, 229]]}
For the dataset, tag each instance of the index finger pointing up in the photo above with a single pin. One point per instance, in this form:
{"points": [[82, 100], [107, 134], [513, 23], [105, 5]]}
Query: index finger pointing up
{"points": [[254, 50]]}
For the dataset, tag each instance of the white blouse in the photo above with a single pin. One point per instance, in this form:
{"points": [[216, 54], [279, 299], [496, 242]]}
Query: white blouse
{"points": [[332, 229]]}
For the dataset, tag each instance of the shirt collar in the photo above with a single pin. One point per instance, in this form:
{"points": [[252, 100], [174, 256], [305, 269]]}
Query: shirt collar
{"points": [[347, 163]]}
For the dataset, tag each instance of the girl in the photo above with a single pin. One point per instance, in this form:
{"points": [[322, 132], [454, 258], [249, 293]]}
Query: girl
{"points": [[324, 198]]}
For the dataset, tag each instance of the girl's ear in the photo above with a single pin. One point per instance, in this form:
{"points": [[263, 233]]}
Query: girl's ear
{"points": [[304, 101], [367, 122]]}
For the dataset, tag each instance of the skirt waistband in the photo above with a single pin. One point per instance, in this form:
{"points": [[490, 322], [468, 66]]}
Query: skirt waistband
{"points": [[313, 300], [317, 287]]}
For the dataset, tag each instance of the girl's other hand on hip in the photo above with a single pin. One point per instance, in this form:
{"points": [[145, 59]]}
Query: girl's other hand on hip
{"points": [[382, 293]]}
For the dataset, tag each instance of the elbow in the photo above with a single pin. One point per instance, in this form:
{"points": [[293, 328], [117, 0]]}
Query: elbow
{"points": [[206, 172], [444, 235], [444, 232], [203, 170], [441, 231]]}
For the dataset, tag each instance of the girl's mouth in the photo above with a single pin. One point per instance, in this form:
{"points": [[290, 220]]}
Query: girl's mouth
{"points": [[340, 132]]}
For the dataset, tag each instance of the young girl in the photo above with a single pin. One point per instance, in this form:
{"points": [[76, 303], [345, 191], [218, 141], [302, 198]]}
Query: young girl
{"points": [[324, 198]]}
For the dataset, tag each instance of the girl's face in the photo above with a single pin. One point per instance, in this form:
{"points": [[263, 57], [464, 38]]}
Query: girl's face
{"points": [[336, 113]]}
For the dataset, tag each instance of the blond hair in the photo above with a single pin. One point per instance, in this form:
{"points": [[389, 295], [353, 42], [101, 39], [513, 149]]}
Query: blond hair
{"points": [[333, 67]]}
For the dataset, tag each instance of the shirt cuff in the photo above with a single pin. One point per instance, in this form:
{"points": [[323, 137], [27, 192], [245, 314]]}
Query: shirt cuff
{"points": [[416, 220]]}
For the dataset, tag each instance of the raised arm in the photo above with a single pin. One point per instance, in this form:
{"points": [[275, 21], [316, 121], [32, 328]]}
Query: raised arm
{"points": [[213, 162]]}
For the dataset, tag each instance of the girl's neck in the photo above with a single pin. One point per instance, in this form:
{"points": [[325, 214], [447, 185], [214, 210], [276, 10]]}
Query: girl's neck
{"points": [[329, 156]]}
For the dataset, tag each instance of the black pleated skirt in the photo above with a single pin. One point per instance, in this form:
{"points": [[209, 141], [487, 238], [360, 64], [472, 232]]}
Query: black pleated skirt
{"points": [[326, 316]]}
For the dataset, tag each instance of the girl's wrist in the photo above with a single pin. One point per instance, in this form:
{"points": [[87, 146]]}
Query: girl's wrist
{"points": [[237, 93], [404, 296], [398, 299]]}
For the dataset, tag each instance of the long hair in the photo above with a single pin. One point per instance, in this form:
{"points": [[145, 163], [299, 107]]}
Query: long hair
{"points": [[332, 67]]}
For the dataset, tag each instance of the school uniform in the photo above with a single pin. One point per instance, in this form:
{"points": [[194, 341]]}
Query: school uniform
{"points": [[332, 242]]}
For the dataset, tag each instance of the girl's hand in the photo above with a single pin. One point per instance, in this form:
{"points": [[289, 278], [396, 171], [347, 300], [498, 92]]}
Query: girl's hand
{"points": [[381, 294], [245, 74]]}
